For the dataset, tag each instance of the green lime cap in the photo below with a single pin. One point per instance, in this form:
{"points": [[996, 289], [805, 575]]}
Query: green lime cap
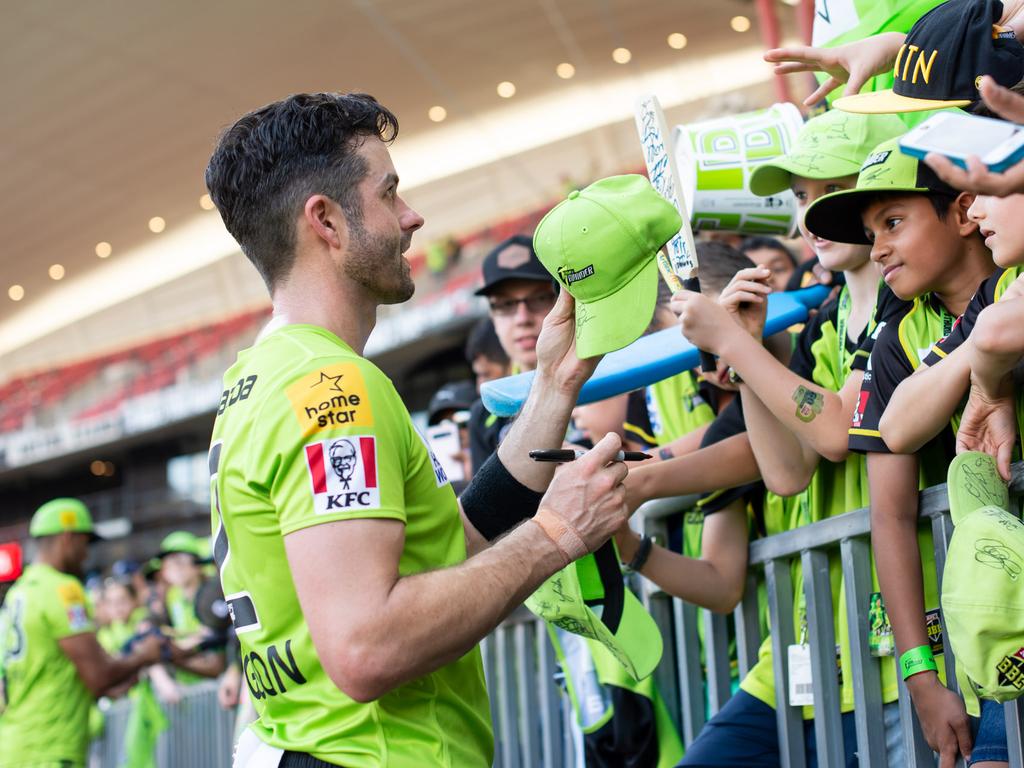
{"points": [[600, 244], [568, 600], [181, 541], [829, 146], [982, 599], [60, 515], [837, 217]]}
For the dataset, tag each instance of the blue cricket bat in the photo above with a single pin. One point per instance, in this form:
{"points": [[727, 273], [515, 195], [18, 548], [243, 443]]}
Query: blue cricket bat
{"points": [[649, 358]]}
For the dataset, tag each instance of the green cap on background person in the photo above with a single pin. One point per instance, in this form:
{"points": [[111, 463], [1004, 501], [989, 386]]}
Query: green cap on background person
{"points": [[837, 216], [829, 146], [983, 582], [943, 59], [600, 244], [181, 541], [60, 516]]}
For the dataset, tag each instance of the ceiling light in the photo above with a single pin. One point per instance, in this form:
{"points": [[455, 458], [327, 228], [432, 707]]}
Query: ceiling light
{"points": [[206, 203], [565, 70], [677, 40], [740, 23], [621, 55], [506, 89], [97, 467], [56, 271], [157, 225], [16, 292], [103, 250], [437, 113]]}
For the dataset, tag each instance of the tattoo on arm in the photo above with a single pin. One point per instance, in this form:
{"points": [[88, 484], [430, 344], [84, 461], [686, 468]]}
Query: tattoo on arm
{"points": [[808, 403]]}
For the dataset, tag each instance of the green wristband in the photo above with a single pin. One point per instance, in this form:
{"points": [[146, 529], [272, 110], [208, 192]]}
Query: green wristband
{"points": [[916, 660]]}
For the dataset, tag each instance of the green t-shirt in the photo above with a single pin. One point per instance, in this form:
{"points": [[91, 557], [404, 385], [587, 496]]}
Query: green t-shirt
{"points": [[114, 635], [47, 716], [308, 432]]}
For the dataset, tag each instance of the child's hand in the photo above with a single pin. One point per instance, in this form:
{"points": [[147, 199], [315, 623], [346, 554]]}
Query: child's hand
{"points": [[989, 425], [703, 322], [745, 299]]}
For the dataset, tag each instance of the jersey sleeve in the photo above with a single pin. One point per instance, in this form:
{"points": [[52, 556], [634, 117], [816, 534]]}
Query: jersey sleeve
{"points": [[964, 324], [887, 367], [67, 609], [339, 446]]}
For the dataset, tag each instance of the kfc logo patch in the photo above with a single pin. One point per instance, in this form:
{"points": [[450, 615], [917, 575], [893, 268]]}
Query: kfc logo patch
{"points": [[862, 406], [343, 473]]}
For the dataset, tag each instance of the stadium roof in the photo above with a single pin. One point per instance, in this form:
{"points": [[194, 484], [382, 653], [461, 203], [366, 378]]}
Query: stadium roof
{"points": [[113, 107]]}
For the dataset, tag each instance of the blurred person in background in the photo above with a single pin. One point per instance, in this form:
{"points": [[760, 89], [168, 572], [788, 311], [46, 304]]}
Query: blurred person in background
{"points": [[53, 666], [485, 354], [181, 567], [519, 293], [773, 254], [448, 430]]}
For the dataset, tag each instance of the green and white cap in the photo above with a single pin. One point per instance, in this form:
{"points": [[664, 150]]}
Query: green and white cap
{"points": [[837, 216], [600, 244], [829, 146], [181, 541], [588, 598], [983, 582], [61, 515]]}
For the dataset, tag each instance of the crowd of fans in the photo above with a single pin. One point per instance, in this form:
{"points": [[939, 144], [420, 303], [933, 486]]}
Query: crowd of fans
{"points": [[910, 361]]}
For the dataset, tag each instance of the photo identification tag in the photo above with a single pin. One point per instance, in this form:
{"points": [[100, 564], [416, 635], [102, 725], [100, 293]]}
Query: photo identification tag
{"points": [[801, 688]]}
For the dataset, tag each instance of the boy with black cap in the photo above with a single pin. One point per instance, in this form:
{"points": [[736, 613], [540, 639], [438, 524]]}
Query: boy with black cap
{"points": [[931, 257], [520, 293]]}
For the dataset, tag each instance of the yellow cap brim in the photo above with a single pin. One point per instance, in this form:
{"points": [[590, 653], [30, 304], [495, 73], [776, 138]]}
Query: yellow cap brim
{"points": [[888, 102]]}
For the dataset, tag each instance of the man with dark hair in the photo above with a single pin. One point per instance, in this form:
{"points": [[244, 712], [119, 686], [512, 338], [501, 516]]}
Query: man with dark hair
{"points": [[359, 600]]}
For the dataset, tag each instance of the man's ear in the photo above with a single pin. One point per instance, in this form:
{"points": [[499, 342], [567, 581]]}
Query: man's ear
{"points": [[959, 209], [326, 221]]}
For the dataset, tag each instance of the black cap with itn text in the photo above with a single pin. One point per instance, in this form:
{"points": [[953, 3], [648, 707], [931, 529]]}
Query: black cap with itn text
{"points": [[512, 259], [943, 58]]}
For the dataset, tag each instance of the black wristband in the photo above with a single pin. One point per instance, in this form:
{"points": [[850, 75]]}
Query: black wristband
{"points": [[642, 553], [495, 502]]}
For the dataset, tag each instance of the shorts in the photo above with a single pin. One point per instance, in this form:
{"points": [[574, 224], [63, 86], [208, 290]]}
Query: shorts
{"points": [[990, 734], [744, 733]]}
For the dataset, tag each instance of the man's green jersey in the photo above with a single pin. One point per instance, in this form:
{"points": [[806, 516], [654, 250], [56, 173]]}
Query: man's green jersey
{"points": [[308, 432], [46, 721]]}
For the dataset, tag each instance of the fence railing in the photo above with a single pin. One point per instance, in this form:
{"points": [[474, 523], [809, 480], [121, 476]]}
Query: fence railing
{"points": [[531, 715], [201, 733]]}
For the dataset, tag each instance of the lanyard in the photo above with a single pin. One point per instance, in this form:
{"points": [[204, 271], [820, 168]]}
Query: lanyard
{"points": [[841, 323]]}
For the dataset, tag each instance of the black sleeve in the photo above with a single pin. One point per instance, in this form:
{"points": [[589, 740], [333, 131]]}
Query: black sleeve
{"points": [[887, 367], [729, 422], [483, 441], [802, 363], [637, 425], [964, 324]]}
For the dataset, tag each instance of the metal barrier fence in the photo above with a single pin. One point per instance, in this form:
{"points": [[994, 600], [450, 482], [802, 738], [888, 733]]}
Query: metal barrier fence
{"points": [[532, 718], [201, 733]]}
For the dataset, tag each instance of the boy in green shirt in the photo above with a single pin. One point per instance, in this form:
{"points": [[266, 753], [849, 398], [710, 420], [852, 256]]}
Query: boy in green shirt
{"points": [[929, 252]]}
